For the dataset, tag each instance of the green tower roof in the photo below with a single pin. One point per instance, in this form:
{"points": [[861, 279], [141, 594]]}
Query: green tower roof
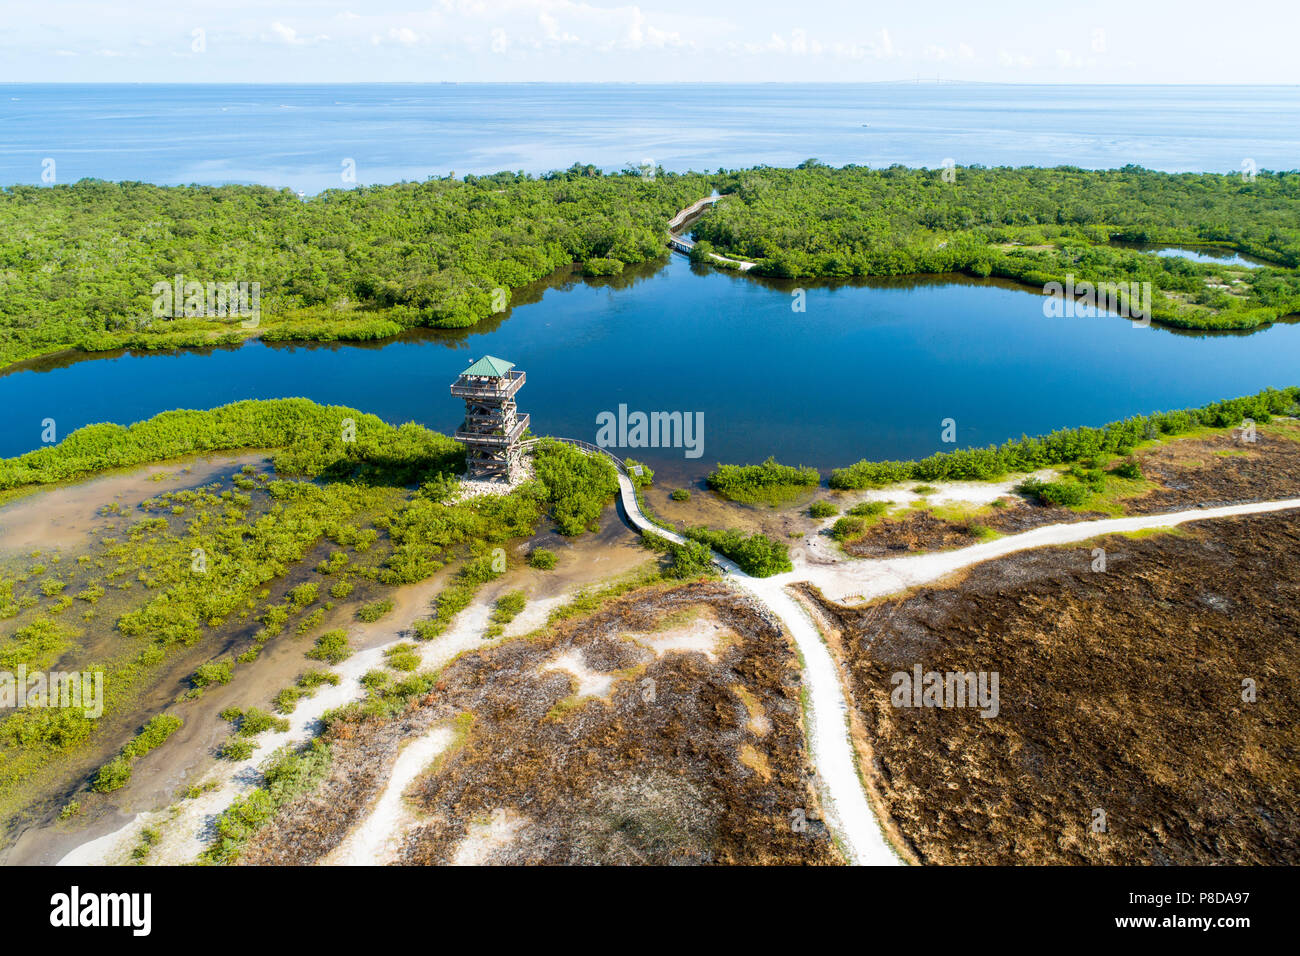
{"points": [[489, 367]]}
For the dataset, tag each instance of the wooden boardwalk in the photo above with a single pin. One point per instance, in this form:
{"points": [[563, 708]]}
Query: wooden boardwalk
{"points": [[680, 243]]}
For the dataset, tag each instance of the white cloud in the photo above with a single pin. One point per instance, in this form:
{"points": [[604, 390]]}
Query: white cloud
{"points": [[500, 42], [1015, 60], [939, 54], [287, 34]]}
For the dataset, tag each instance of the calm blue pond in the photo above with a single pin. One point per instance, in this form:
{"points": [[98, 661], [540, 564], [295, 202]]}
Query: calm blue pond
{"points": [[1220, 255], [867, 370]]}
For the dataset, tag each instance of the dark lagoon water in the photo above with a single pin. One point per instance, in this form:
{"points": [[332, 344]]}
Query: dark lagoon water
{"points": [[298, 136], [868, 370]]}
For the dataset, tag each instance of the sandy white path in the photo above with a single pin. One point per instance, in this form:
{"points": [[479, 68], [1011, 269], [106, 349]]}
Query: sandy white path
{"points": [[185, 829], [867, 579], [848, 812], [375, 840]]}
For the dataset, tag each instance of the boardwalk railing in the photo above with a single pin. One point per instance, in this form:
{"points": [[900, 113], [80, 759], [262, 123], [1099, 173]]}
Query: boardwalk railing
{"points": [[690, 211], [584, 445]]}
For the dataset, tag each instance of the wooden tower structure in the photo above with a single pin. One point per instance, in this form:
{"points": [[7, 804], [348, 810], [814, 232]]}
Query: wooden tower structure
{"points": [[493, 425]]}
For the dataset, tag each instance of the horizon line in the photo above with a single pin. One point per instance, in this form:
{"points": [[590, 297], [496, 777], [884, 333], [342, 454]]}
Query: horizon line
{"points": [[921, 81]]}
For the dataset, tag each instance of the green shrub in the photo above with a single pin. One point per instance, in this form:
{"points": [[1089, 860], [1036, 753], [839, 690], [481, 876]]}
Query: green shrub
{"points": [[112, 776], [331, 647], [769, 482], [848, 528], [257, 721], [639, 473], [602, 267], [236, 749], [1064, 494], [822, 509], [1128, 469], [681, 494], [157, 730], [402, 657], [310, 680], [310, 621], [756, 554], [690, 560], [213, 672], [286, 775], [1065, 446], [426, 629], [374, 611], [542, 559], [505, 610], [577, 485], [303, 594], [286, 700]]}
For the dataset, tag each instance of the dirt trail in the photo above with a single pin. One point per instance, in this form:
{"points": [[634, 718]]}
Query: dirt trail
{"points": [[848, 810], [373, 841], [867, 579]]}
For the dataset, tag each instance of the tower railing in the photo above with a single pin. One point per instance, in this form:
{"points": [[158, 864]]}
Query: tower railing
{"points": [[579, 443], [469, 386], [481, 438]]}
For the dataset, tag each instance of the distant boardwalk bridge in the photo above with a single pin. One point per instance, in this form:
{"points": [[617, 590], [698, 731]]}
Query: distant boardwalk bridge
{"points": [[679, 243]]}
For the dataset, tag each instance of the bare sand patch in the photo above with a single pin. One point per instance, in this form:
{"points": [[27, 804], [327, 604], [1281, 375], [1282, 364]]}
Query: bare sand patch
{"points": [[702, 634], [589, 683], [485, 837], [375, 840]]}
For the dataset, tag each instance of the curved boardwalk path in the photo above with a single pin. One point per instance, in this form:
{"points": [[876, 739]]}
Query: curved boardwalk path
{"points": [[682, 244], [848, 811]]}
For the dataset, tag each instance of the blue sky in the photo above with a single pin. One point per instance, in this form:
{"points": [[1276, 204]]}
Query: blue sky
{"points": [[1135, 41]]}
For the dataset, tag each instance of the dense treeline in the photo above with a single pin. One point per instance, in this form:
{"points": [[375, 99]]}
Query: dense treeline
{"points": [[1029, 224], [78, 263], [1067, 445], [312, 440]]}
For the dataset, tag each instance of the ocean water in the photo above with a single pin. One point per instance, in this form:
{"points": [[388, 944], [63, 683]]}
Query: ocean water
{"points": [[302, 137]]}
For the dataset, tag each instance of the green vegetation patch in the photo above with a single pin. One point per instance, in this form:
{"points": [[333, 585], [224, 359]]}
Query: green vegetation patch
{"points": [[756, 554], [286, 775], [1029, 224], [331, 647], [347, 264], [822, 509], [541, 559], [769, 483], [117, 772], [1067, 445]]}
